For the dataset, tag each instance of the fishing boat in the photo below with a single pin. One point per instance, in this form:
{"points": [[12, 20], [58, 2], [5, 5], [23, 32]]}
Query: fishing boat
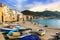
{"points": [[28, 36], [8, 28]]}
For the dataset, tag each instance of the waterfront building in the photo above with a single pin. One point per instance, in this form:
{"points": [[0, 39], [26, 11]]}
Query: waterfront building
{"points": [[7, 14], [10, 15], [1, 12]]}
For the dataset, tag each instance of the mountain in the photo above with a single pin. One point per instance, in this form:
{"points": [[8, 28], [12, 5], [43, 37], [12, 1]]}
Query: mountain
{"points": [[45, 13]]}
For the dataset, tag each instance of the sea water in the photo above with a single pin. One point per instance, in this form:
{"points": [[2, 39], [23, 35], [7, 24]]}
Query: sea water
{"points": [[52, 22]]}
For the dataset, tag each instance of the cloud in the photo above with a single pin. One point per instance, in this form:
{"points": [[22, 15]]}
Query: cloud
{"points": [[19, 5], [14, 4], [55, 6], [34, 5]]}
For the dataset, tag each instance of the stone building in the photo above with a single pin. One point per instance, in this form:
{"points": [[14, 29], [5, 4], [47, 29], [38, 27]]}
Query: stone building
{"points": [[21, 17], [1, 12], [7, 14]]}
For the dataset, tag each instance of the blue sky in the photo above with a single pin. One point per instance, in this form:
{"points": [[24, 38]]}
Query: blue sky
{"points": [[33, 5]]}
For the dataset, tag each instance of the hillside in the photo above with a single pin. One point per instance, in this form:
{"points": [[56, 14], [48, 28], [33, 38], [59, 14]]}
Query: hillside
{"points": [[46, 13]]}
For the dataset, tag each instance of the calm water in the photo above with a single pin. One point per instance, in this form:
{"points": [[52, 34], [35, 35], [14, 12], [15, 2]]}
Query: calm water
{"points": [[51, 23]]}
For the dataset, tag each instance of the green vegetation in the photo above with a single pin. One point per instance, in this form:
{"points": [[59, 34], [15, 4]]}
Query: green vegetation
{"points": [[46, 13]]}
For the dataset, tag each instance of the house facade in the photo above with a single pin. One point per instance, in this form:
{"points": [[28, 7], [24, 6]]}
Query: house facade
{"points": [[7, 14]]}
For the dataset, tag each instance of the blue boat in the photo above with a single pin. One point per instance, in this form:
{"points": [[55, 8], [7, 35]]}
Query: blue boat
{"points": [[28, 37], [7, 29], [31, 37]]}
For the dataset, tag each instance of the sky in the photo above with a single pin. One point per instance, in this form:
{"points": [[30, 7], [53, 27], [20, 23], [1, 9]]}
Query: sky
{"points": [[33, 5]]}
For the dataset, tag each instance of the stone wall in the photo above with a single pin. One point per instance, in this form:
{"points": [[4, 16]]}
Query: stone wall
{"points": [[0, 18], [1, 15], [27, 17]]}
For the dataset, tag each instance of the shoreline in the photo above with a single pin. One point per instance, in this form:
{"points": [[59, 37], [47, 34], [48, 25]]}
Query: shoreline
{"points": [[49, 31], [49, 27]]}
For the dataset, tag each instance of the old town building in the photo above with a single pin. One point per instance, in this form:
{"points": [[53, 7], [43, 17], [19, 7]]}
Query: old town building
{"points": [[10, 15], [7, 14]]}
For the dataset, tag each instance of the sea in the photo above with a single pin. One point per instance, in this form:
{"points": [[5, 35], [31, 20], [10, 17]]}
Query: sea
{"points": [[55, 23]]}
